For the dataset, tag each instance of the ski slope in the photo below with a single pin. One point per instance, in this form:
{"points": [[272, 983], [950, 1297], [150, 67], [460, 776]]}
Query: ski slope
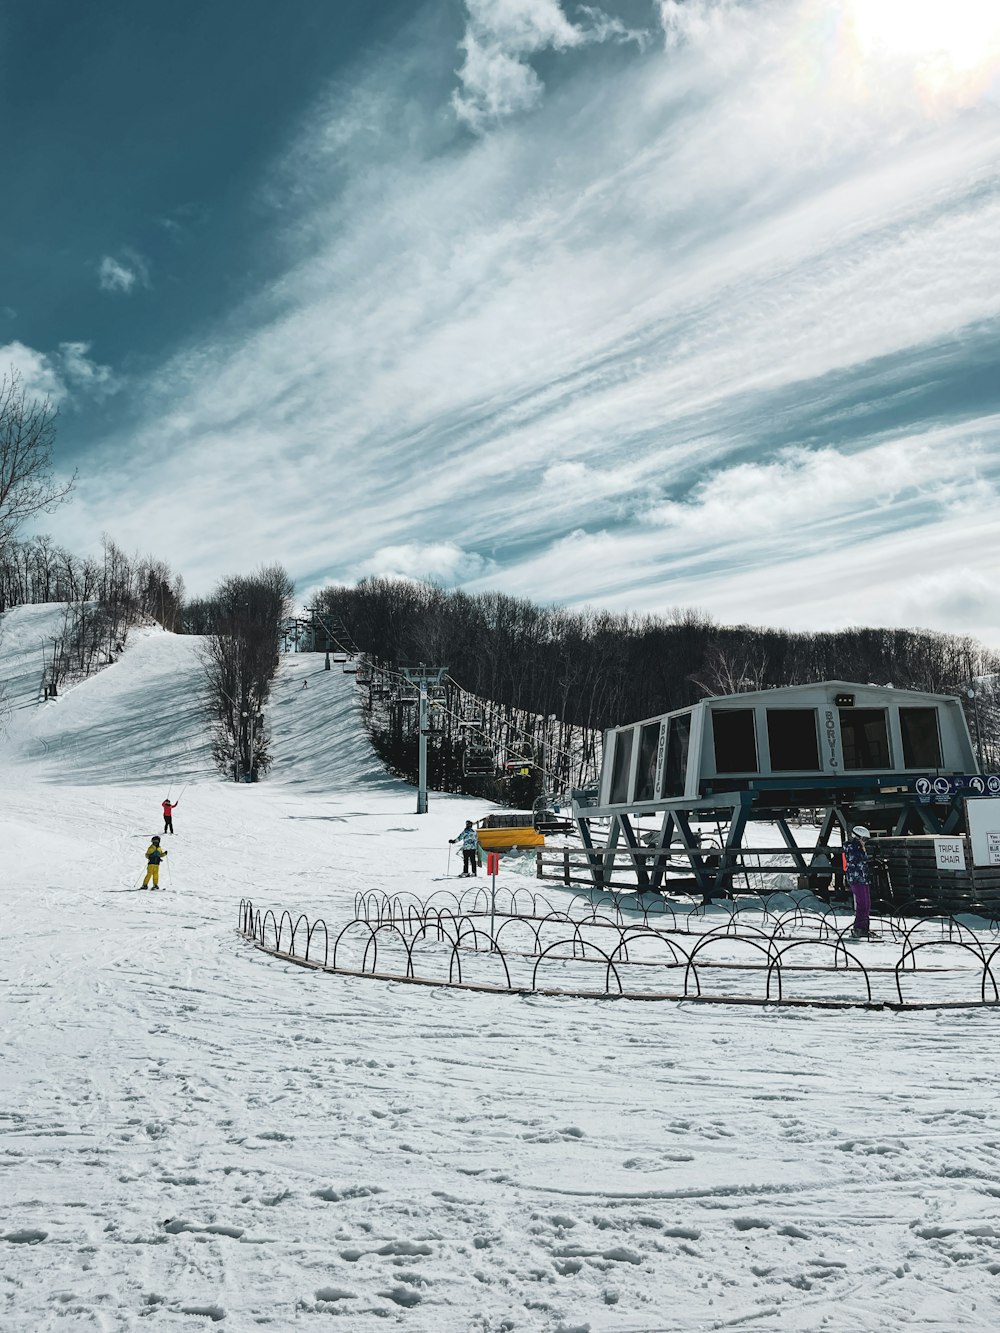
{"points": [[193, 1133], [137, 721]]}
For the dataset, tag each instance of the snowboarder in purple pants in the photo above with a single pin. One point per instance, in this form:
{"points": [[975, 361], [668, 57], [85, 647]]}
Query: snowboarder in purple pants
{"points": [[858, 873]]}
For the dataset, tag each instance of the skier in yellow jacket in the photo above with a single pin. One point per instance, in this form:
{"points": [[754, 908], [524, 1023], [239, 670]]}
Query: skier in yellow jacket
{"points": [[154, 855]]}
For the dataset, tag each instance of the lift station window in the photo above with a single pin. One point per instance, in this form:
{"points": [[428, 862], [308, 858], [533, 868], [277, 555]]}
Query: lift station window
{"points": [[622, 763], [864, 733], [649, 744], [921, 741], [735, 740], [793, 740], [675, 769]]}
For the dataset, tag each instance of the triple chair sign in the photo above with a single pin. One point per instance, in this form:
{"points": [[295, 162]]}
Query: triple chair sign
{"points": [[983, 819]]}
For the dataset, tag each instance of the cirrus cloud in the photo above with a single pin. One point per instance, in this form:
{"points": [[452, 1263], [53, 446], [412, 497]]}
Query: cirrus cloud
{"points": [[645, 344]]}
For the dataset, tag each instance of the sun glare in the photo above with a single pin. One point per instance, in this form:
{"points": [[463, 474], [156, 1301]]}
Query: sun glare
{"points": [[953, 45]]}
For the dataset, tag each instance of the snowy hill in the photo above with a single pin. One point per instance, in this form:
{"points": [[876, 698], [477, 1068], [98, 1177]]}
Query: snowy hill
{"points": [[317, 737], [142, 720], [137, 721], [194, 1133]]}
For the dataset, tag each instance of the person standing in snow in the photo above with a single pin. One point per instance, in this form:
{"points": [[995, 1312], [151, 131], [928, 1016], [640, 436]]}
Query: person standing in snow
{"points": [[858, 873], [469, 839], [154, 855], [168, 815]]}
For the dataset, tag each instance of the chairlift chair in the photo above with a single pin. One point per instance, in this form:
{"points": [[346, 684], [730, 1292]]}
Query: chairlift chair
{"points": [[477, 760]]}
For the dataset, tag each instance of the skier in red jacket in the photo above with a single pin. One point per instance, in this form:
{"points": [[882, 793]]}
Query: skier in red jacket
{"points": [[168, 815]]}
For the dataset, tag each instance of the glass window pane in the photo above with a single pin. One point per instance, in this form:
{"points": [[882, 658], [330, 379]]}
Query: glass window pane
{"points": [[675, 768], [622, 762], [793, 740], [735, 740], [921, 742], [864, 734], [645, 782]]}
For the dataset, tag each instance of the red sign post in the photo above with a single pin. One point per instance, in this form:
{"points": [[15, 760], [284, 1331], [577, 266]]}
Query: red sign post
{"points": [[492, 869]]}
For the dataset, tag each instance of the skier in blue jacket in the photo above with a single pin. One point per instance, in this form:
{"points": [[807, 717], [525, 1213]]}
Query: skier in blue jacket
{"points": [[469, 839]]}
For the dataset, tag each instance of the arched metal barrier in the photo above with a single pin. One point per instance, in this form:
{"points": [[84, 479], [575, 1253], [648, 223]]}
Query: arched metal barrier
{"points": [[599, 947]]}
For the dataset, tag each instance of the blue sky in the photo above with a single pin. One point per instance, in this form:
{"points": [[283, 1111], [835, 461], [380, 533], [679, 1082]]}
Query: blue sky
{"points": [[646, 304]]}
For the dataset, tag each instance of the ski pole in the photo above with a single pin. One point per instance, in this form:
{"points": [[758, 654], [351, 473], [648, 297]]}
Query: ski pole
{"points": [[448, 871]]}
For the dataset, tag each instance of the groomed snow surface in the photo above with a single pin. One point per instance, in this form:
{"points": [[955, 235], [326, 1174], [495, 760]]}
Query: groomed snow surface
{"points": [[196, 1133]]}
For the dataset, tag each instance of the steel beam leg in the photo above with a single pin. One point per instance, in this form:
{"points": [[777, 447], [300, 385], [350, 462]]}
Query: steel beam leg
{"points": [[662, 850], [632, 842]]}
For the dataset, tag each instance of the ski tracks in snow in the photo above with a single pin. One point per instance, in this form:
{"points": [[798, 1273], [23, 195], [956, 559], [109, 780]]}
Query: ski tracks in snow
{"points": [[193, 1133]]}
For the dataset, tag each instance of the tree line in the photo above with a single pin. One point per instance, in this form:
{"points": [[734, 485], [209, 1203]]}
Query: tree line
{"points": [[593, 669], [106, 596]]}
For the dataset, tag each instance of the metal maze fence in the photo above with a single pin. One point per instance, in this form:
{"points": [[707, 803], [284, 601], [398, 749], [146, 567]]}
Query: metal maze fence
{"points": [[751, 950]]}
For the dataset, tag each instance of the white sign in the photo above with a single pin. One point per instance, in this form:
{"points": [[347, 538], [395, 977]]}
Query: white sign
{"points": [[983, 816], [949, 853]]}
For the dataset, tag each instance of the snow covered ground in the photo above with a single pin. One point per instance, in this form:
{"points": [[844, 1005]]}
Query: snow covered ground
{"points": [[193, 1132]]}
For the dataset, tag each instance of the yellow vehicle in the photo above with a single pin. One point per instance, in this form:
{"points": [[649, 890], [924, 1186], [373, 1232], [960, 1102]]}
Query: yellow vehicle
{"points": [[512, 828]]}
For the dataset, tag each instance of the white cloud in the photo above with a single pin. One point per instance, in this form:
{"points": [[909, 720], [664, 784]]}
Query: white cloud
{"points": [[39, 375], [57, 375], [495, 77], [936, 576], [85, 374], [495, 83], [804, 491], [439, 562], [123, 275]]}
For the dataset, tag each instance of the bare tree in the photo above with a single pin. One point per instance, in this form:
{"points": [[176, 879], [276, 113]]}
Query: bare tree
{"points": [[240, 658], [27, 432]]}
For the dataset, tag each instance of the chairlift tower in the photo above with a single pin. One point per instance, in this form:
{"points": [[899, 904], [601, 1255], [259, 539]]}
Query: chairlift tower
{"points": [[423, 676]]}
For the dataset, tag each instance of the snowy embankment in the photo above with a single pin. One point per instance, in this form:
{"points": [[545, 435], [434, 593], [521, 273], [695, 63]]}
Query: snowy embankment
{"points": [[195, 1132]]}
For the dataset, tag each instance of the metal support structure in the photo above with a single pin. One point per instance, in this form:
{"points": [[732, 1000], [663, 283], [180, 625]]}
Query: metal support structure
{"points": [[423, 676], [638, 859], [663, 848], [791, 844], [608, 863], [659, 864]]}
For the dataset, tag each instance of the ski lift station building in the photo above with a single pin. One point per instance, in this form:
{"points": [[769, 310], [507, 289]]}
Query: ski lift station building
{"points": [[901, 761], [800, 740]]}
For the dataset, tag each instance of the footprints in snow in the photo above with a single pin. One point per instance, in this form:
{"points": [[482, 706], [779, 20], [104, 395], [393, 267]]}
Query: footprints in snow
{"points": [[331, 1195], [174, 1226], [565, 1135], [25, 1236]]}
